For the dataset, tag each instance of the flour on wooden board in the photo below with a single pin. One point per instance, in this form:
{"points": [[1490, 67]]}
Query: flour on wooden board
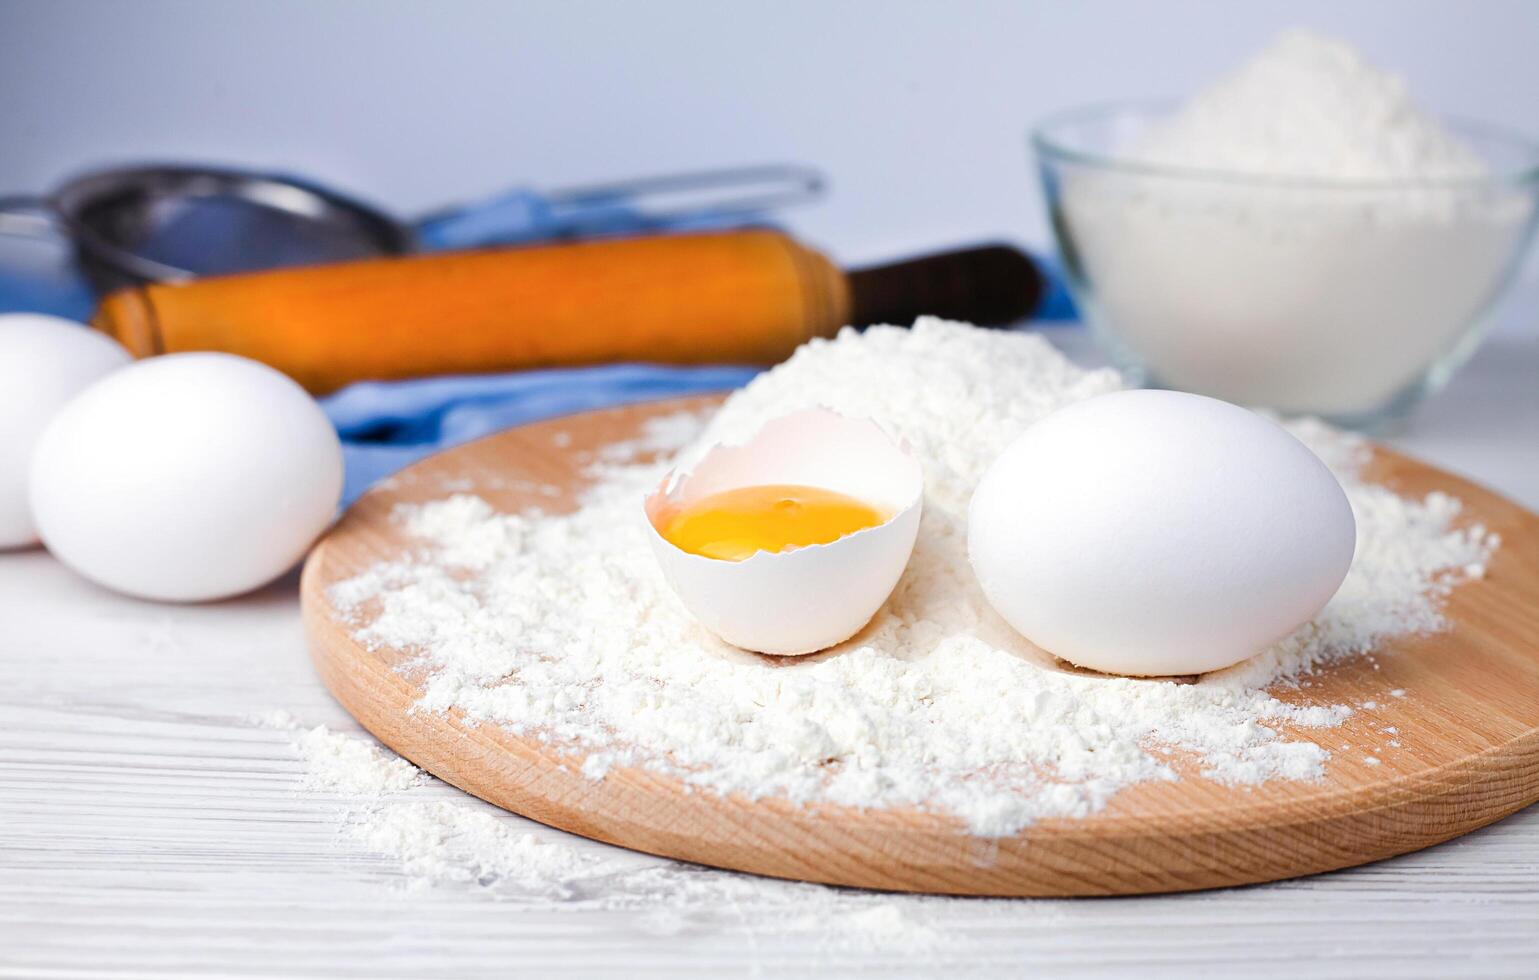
{"points": [[566, 628]]}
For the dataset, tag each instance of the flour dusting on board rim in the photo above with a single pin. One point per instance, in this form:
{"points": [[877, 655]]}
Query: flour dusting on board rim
{"points": [[562, 627]]}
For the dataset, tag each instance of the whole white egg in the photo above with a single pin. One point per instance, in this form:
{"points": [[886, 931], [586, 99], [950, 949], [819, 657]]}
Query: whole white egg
{"points": [[1156, 533], [44, 362], [186, 477]]}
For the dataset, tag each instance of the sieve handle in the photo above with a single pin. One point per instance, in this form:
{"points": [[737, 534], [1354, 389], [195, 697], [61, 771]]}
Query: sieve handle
{"points": [[700, 200], [29, 216]]}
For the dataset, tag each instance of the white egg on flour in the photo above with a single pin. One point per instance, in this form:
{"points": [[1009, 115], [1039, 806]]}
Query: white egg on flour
{"points": [[44, 362], [790, 542], [186, 477], [1156, 533]]}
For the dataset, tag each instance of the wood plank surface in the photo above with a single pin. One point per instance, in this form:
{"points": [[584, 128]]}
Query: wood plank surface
{"points": [[1469, 733]]}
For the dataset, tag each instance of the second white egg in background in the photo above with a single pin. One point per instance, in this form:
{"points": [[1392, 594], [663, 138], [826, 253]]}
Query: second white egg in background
{"points": [[44, 362]]}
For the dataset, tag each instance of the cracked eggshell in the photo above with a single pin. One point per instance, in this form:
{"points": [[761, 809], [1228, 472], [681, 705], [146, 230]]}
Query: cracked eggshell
{"points": [[806, 599]]}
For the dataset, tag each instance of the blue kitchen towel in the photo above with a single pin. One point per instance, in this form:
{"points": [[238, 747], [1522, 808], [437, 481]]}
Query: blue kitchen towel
{"points": [[40, 277], [387, 425]]}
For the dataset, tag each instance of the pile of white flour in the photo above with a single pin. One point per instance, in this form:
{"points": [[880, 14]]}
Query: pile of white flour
{"points": [[562, 626], [1359, 251]]}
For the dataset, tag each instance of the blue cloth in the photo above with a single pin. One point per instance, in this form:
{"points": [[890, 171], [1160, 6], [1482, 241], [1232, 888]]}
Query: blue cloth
{"points": [[40, 277], [387, 425], [1057, 305]]}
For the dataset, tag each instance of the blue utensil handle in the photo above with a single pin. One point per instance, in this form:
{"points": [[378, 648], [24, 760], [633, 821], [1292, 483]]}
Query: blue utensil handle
{"points": [[704, 199]]}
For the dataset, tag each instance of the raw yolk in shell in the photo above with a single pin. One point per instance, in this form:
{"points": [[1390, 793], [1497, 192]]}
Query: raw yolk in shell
{"points": [[735, 524]]}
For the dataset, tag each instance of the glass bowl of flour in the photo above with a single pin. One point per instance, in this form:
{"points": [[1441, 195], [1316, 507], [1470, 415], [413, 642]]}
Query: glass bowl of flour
{"points": [[1299, 236]]}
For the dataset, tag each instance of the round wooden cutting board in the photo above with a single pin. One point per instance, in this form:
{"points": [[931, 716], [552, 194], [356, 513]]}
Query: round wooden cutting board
{"points": [[1468, 728]]}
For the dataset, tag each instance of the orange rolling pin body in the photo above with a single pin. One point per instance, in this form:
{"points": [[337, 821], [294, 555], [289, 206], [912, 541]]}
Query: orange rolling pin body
{"points": [[747, 297]]}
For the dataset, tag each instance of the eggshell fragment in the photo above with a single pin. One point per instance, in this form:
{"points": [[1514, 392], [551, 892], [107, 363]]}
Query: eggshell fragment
{"points": [[805, 599], [1158, 533]]}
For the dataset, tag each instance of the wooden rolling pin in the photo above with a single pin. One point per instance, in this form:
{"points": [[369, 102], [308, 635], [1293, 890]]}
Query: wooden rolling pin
{"points": [[737, 297]]}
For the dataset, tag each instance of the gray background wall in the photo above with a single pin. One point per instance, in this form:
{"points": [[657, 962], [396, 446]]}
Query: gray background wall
{"points": [[916, 110]]}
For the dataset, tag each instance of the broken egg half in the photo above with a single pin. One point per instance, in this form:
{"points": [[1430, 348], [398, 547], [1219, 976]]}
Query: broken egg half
{"points": [[790, 542]]}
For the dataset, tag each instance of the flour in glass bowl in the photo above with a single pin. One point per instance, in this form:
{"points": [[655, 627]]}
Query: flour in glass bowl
{"points": [[562, 627], [1313, 242]]}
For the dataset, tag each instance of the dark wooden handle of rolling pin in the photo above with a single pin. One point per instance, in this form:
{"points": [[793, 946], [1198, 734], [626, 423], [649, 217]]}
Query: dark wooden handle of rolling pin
{"points": [[990, 285]]}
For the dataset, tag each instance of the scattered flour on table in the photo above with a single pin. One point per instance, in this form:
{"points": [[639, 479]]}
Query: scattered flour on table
{"points": [[562, 627], [351, 765], [339, 763], [437, 837], [434, 840], [440, 841]]}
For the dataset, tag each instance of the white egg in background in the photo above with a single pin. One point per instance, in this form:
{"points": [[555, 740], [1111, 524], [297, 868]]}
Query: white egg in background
{"points": [[810, 598], [186, 477], [1157, 533], [44, 362]]}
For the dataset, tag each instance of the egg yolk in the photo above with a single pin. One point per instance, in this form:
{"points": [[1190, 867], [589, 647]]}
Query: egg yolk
{"points": [[734, 524]]}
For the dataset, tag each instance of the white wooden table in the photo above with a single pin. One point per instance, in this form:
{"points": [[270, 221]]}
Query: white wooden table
{"points": [[149, 828]]}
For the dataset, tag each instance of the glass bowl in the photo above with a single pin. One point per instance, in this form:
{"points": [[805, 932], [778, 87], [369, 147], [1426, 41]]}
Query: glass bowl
{"points": [[1350, 300]]}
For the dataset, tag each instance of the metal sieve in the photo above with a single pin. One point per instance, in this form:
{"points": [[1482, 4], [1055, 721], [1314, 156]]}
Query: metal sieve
{"points": [[140, 224]]}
